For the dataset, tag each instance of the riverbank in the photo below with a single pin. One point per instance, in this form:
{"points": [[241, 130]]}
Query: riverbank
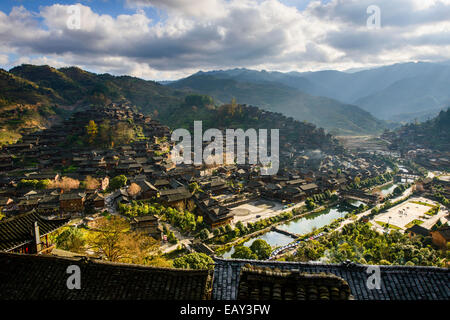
{"points": [[274, 237], [405, 196], [297, 214]]}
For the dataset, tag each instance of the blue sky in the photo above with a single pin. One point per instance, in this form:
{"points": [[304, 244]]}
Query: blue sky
{"points": [[110, 7], [167, 39]]}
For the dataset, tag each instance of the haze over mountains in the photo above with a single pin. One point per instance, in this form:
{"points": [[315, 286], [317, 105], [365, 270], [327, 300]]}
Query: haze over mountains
{"points": [[399, 92], [336, 117], [35, 97], [354, 103]]}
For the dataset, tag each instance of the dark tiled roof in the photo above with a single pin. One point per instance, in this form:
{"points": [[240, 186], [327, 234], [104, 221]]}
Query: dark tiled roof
{"points": [[17, 231], [445, 232], [145, 218], [263, 283], [180, 190], [308, 186], [44, 277], [416, 229], [72, 196], [397, 282]]}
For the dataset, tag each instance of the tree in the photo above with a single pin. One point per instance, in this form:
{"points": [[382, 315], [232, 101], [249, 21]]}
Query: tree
{"points": [[71, 239], [137, 247], [240, 226], [104, 133], [228, 228], [106, 242], [311, 250], [91, 183], [34, 184], [194, 260], [123, 133], [310, 204], [243, 252], [198, 100], [194, 188], [117, 182], [65, 183], [134, 189], [204, 234], [171, 237], [92, 131], [261, 248]]}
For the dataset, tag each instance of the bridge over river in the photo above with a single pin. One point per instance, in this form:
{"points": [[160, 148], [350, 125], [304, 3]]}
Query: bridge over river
{"points": [[359, 195], [286, 233], [291, 245], [408, 177]]}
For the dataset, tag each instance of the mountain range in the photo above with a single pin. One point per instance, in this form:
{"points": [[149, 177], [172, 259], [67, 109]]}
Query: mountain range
{"points": [[399, 92], [34, 97], [336, 117], [432, 134]]}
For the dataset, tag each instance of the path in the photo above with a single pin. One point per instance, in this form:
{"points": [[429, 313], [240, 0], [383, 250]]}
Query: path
{"points": [[185, 240]]}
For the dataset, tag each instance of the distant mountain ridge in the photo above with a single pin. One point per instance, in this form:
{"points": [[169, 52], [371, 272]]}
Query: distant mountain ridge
{"points": [[34, 97], [336, 117], [76, 86], [433, 134], [387, 92]]}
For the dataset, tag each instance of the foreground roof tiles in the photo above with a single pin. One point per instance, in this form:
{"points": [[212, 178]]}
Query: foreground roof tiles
{"points": [[32, 277], [17, 231], [264, 283], [45, 277], [397, 282]]}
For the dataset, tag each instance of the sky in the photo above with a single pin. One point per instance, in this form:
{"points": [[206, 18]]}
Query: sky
{"points": [[170, 39]]}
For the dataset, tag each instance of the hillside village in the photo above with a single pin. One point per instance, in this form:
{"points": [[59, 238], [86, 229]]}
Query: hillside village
{"points": [[51, 157], [237, 159], [426, 143], [108, 165]]}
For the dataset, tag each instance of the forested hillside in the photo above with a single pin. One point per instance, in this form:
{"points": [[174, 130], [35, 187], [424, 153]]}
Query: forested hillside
{"points": [[34, 97], [330, 114], [433, 134], [233, 115]]}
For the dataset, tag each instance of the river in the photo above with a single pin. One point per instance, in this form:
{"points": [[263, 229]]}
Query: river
{"points": [[300, 226], [386, 190]]}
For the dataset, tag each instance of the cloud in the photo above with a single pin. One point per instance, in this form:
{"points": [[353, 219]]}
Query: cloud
{"points": [[200, 8], [215, 34], [4, 59]]}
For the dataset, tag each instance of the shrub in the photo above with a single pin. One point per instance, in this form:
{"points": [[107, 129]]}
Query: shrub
{"points": [[117, 182], [261, 248], [194, 260], [243, 252]]}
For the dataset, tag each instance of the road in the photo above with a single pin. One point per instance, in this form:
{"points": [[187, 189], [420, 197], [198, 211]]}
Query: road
{"points": [[109, 204], [185, 240]]}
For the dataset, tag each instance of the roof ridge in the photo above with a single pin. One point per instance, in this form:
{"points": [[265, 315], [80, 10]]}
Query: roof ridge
{"points": [[16, 217], [312, 263], [91, 260]]}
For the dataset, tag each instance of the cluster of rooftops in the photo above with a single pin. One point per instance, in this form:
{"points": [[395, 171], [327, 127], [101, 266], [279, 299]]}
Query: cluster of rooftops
{"points": [[28, 275], [45, 277], [34, 213], [47, 154]]}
